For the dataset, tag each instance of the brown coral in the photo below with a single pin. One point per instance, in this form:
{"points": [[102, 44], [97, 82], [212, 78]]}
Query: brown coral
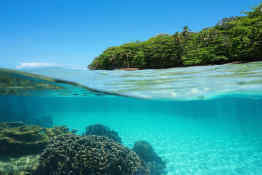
{"points": [[88, 155], [21, 139], [16, 83], [18, 165], [101, 130], [18, 139]]}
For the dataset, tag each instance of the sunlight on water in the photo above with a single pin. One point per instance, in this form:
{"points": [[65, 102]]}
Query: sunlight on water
{"points": [[219, 136], [177, 83]]}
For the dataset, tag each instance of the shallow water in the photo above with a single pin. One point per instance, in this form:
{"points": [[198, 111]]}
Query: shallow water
{"points": [[221, 135], [199, 82]]}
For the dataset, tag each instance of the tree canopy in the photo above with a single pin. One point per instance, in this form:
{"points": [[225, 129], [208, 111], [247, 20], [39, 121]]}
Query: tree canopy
{"points": [[232, 39]]}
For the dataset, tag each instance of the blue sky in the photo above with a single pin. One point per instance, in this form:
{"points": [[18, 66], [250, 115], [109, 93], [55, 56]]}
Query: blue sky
{"points": [[60, 32]]}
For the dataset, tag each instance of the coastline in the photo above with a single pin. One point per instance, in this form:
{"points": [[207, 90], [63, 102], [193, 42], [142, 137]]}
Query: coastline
{"points": [[233, 40], [137, 69]]}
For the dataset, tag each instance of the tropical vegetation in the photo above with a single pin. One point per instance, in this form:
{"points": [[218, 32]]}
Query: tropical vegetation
{"points": [[233, 39]]}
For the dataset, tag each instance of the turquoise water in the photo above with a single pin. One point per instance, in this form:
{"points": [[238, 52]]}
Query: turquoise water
{"points": [[219, 136], [200, 82], [208, 134]]}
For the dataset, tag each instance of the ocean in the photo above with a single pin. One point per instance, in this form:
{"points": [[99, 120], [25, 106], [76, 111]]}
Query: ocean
{"points": [[202, 120]]}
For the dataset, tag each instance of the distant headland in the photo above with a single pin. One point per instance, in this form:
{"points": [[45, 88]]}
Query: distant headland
{"points": [[233, 39]]}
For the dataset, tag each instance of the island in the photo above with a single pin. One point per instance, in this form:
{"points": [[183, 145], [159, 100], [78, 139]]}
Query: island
{"points": [[232, 40]]}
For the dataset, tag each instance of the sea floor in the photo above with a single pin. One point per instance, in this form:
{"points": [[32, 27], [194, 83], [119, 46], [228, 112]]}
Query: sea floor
{"points": [[220, 136], [188, 145]]}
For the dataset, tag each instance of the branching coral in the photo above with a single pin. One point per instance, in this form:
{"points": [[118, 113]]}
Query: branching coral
{"points": [[101, 130]]}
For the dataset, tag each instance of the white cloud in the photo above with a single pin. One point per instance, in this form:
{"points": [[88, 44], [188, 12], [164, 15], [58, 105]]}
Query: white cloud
{"points": [[45, 64], [35, 65]]}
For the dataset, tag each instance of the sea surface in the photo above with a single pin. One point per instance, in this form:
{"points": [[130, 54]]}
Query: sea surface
{"points": [[204, 120]]}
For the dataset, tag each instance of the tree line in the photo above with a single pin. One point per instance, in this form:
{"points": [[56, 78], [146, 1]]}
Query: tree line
{"points": [[233, 39]]}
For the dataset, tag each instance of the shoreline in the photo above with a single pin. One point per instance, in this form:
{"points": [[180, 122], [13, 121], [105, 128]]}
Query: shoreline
{"points": [[136, 69]]}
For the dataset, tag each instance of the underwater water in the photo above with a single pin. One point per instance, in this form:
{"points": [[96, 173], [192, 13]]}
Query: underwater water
{"points": [[203, 134]]}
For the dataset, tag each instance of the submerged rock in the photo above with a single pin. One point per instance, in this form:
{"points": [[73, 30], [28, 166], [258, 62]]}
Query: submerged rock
{"points": [[88, 155], [101, 130], [146, 152]]}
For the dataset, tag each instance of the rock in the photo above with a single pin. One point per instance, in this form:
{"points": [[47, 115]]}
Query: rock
{"points": [[146, 152], [130, 69], [70, 154]]}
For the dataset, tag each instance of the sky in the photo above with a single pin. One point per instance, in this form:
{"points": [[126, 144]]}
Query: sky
{"points": [[36, 33]]}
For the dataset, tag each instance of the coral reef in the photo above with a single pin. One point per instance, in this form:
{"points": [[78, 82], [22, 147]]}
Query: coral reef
{"points": [[31, 149], [101, 130], [70, 154], [146, 152], [15, 83], [18, 166], [56, 131], [17, 139]]}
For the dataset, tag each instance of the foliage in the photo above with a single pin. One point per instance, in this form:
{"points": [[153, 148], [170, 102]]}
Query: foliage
{"points": [[232, 39]]}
